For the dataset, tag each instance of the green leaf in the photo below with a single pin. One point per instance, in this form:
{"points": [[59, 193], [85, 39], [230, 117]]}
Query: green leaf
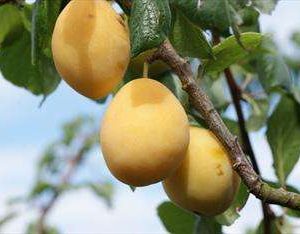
{"points": [[149, 24], [132, 188], [40, 79], [207, 225], [7, 218], [296, 92], [279, 225], [32, 228], [265, 6], [173, 83], [41, 187], [296, 38], [72, 128], [188, 39], [45, 13], [259, 114], [283, 135], [250, 18], [216, 90], [207, 14], [233, 127], [175, 219], [231, 214], [10, 23], [229, 51], [271, 67], [104, 191]]}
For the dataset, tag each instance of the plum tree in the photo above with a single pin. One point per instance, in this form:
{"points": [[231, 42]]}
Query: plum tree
{"points": [[205, 182], [91, 47], [138, 139]]}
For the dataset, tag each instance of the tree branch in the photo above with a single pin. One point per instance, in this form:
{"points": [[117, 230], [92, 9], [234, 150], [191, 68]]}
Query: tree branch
{"points": [[65, 179], [202, 103], [236, 95]]}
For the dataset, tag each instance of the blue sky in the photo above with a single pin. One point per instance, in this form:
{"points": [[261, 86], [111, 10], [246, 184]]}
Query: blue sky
{"points": [[25, 129]]}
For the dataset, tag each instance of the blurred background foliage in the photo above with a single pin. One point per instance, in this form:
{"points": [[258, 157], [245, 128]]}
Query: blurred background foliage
{"points": [[213, 35]]}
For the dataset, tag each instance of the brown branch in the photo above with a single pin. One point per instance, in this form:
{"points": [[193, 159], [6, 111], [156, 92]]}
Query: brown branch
{"points": [[202, 103], [236, 95], [65, 179]]}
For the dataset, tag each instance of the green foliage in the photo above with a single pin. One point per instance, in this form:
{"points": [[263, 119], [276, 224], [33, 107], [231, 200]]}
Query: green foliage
{"points": [[32, 228], [10, 23], [207, 14], [6, 218], [149, 24], [259, 113], [296, 38], [271, 67], [176, 220], [38, 79], [206, 225], [44, 17], [104, 191], [229, 51], [265, 6], [188, 39], [231, 214], [283, 135], [26, 61]]}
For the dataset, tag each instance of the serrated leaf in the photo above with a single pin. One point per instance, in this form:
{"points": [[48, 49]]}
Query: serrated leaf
{"points": [[40, 79], [283, 135], [229, 51], [149, 24], [232, 213], [207, 225], [10, 23], [175, 219], [188, 39]]}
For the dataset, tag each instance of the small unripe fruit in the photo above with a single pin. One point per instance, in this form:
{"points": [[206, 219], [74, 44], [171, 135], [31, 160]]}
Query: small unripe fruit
{"points": [[205, 182], [90, 46], [144, 133]]}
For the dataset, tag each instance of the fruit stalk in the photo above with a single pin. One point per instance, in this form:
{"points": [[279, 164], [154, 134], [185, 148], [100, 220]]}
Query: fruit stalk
{"points": [[202, 103]]}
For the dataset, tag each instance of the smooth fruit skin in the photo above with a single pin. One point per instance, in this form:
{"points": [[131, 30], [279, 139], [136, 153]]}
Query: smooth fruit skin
{"points": [[91, 47], [205, 182], [144, 133]]}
